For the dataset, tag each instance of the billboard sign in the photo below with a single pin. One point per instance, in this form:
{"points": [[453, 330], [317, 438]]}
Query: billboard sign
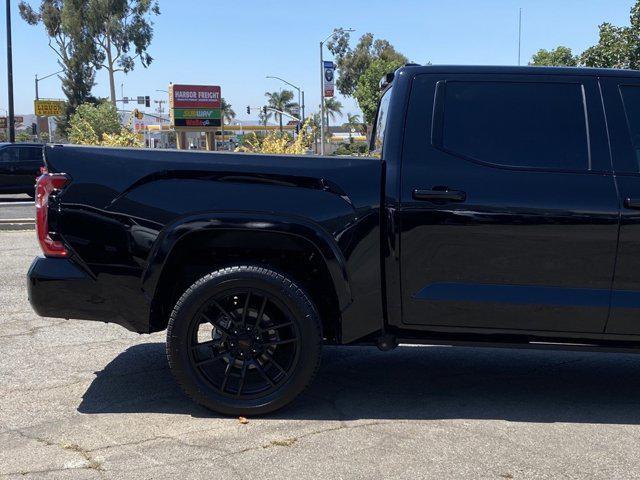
{"points": [[195, 106], [197, 122], [194, 96], [4, 121], [48, 108], [202, 113], [329, 78]]}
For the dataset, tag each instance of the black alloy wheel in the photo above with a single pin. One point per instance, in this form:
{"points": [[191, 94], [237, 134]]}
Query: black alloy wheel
{"points": [[244, 340]]}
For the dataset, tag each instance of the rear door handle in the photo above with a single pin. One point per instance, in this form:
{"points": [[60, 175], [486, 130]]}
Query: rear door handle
{"points": [[632, 203], [442, 195]]}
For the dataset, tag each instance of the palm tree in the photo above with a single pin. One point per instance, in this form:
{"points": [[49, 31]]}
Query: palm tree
{"points": [[353, 123], [281, 101], [263, 117], [227, 112], [332, 108]]}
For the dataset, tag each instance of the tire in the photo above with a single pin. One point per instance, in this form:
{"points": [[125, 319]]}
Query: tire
{"points": [[263, 347]]}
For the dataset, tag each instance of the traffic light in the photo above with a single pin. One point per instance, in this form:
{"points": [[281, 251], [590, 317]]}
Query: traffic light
{"points": [[264, 110], [138, 114], [248, 110], [147, 101], [34, 129]]}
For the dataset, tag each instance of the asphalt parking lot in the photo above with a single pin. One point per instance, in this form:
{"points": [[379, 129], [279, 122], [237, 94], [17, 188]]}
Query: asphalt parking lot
{"points": [[89, 400], [16, 211]]}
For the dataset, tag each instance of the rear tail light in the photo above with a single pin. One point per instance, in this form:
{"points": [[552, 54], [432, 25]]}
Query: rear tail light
{"points": [[47, 184]]}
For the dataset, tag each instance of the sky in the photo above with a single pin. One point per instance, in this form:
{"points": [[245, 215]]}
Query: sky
{"points": [[237, 44]]}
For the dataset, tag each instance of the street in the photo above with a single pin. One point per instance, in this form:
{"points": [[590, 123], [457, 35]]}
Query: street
{"points": [[89, 400], [14, 207]]}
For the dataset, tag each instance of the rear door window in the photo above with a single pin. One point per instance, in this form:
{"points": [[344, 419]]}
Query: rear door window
{"points": [[631, 101], [9, 154], [516, 124], [30, 154]]}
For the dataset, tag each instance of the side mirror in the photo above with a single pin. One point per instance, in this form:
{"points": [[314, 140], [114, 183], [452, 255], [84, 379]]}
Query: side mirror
{"points": [[386, 80]]}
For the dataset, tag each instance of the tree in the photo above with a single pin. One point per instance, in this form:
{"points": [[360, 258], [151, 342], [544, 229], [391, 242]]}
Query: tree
{"points": [[559, 57], [617, 47], [332, 109], [353, 123], [368, 90], [352, 63], [227, 111], [73, 52], [100, 125], [282, 101], [121, 30]]}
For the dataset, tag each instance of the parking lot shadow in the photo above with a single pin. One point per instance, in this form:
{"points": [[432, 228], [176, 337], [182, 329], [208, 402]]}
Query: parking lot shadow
{"points": [[409, 383]]}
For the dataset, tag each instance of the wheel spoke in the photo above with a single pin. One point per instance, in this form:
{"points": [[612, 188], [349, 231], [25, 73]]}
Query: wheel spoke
{"points": [[275, 364], [216, 325], [282, 342], [209, 343], [222, 310], [209, 360], [276, 327], [243, 375], [263, 373], [227, 374], [245, 310], [260, 315]]}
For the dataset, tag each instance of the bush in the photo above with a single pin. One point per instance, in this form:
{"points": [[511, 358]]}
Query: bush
{"points": [[357, 149], [279, 142]]}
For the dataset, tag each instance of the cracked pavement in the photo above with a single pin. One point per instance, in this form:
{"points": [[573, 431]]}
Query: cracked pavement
{"points": [[89, 400]]}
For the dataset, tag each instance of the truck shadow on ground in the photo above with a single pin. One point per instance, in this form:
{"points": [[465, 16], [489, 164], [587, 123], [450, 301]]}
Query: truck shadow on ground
{"points": [[409, 383]]}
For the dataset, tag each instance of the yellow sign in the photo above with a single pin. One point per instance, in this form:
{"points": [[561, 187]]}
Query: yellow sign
{"points": [[48, 108]]}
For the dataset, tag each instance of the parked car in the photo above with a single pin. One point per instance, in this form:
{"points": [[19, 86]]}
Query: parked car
{"points": [[500, 207], [20, 165]]}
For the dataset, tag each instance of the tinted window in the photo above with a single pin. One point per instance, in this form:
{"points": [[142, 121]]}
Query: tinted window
{"points": [[31, 154], [381, 123], [540, 125], [8, 154], [631, 100]]}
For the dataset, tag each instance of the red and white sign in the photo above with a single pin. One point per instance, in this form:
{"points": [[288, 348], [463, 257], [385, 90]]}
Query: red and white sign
{"points": [[195, 96]]}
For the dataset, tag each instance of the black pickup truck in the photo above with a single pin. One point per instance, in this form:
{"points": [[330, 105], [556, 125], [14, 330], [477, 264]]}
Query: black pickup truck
{"points": [[500, 206]]}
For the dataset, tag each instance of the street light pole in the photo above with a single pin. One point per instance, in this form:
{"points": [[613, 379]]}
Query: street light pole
{"points": [[38, 80], [300, 95], [11, 120]]}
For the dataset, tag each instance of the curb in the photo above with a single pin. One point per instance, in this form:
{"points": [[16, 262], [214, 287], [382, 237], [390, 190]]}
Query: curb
{"points": [[17, 224]]}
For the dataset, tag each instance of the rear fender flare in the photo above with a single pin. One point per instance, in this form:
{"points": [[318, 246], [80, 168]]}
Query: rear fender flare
{"points": [[303, 228]]}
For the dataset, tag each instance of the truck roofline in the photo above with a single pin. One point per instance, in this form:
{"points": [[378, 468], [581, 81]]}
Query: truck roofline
{"points": [[522, 70]]}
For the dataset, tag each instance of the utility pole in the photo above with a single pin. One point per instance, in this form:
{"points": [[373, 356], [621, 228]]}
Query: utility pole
{"points": [[519, 36], [11, 119]]}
